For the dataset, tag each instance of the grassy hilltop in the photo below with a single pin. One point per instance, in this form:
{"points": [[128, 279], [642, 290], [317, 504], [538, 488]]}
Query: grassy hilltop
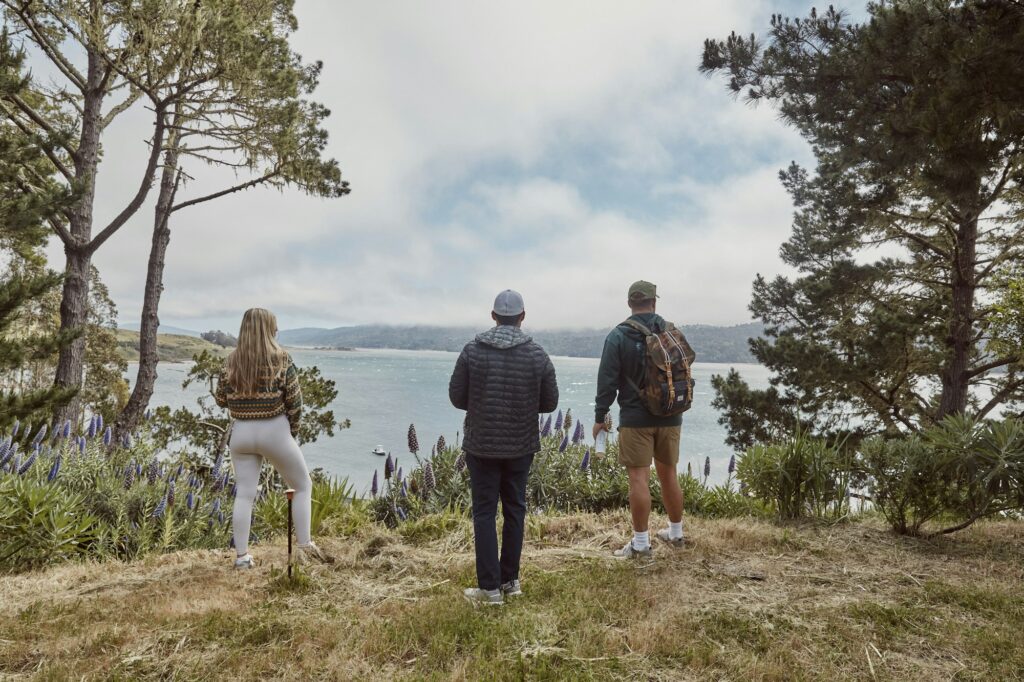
{"points": [[169, 347], [746, 600]]}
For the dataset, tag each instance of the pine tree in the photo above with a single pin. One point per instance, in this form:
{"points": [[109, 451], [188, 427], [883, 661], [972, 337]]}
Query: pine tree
{"points": [[916, 121], [28, 199]]}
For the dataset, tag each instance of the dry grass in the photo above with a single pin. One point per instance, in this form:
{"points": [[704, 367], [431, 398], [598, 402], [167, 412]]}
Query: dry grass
{"points": [[746, 600]]}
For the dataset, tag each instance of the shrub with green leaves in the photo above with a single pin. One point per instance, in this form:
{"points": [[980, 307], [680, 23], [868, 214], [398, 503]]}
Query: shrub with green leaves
{"points": [[952, 474], [800, 477]]}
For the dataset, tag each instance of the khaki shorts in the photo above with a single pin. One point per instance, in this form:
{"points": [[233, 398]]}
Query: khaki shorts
{"points": [[638, 446]]}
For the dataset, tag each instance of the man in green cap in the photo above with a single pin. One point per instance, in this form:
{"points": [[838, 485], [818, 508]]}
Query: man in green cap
{"points": [[643, 437]]}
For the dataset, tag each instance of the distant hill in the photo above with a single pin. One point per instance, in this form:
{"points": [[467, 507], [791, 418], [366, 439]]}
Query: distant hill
{"points": [[164, 329], [712, 344], [169, 347]]}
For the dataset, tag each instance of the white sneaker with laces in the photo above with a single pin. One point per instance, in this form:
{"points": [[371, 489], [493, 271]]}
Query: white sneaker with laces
{"points": [[245, 563], [631, 552], [477, 597], [664, 536], [512, 589]]}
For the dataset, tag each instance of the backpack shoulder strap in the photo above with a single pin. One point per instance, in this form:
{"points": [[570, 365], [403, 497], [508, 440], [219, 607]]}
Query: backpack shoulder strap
{"points": [[639, 327]]}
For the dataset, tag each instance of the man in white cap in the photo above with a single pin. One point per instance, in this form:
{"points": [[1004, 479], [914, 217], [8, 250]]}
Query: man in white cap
{"points": [[503, 380]]}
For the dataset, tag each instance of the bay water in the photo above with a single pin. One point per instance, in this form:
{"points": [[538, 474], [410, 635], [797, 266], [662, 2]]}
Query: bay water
{"points": [[384, 391]]}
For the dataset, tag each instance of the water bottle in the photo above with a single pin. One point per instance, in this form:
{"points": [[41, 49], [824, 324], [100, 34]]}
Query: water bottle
{"points": [[601, 443]]}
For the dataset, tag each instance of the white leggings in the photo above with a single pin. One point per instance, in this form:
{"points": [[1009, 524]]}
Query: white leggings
{"points": [[251, 441]]}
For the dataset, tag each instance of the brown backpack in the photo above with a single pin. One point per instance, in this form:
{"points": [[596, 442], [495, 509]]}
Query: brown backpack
{"points": [[667, 384]]}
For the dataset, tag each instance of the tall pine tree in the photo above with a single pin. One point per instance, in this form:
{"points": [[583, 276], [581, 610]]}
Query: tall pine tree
{"points": [[916, 121], [28, 199]]}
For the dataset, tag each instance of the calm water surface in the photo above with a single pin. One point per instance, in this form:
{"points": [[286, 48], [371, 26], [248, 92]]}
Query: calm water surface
{"points": [[383, 391]]}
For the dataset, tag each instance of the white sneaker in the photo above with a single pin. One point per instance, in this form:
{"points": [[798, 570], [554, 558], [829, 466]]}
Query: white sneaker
{"points": [[245, 563], [307, 554], [512, 589], [631, 552], [476, 597], [675, 542]]}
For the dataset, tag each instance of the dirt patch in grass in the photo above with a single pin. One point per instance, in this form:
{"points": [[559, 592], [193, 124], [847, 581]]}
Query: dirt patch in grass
{"points": [[744, 600]]}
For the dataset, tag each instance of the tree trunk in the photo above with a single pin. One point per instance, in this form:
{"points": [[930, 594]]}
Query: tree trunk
{"points": [[74, 306], [150, 323], [955, 377]]}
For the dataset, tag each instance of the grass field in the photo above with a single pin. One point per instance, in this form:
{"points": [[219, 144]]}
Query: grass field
{"points": [[746, 600], [169, 347]]}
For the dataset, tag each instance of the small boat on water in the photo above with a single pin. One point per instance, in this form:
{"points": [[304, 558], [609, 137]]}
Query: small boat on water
{"points": [[379, 451]]}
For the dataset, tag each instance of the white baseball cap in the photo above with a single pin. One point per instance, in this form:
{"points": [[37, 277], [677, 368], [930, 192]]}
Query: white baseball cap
{"points": [[508, 303]]}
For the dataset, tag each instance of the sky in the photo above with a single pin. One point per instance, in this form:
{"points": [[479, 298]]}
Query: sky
{"points": [[560, 149]]}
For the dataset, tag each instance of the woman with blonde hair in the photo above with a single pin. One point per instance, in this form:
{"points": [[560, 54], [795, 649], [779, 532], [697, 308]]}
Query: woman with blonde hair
{"points": [[260, 388]]}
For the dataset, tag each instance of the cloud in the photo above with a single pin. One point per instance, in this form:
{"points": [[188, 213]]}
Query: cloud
{"points": [[564, 148]]}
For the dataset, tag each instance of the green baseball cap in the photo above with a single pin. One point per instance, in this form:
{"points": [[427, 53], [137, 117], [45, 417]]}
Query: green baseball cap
{"points": [[641, 291]]}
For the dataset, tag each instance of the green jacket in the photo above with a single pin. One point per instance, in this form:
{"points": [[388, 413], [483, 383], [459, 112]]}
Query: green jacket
{"points": [[623, 358]]}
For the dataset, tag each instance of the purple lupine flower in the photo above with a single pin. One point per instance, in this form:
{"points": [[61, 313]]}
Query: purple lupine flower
{"points": [[148, 415], [16, 463], [401, 513], [152, 472], [224, 479], [567, 423], [99, 423], [441, 444], [460, 462], [66, 433], [170, 494], [564, 444], [27, 464], [14, 431], [429, 480], [220, 518], [373, 485], [398, 475], [389, 467], [414, 443], [689, 469], [54, 470], [126, 441], [404, 490], [7, 453], [190, 500], [216, 506], [108, 435], [585, 464], [234, 490], [129, 475], [732, 465], [558, 421], [181, 470], [231, 542], [577, 434], [707, 467], [138, 469], [546, 431], [92, 427], [217, 464], [161, 507], [40, 435], [81, 445]]}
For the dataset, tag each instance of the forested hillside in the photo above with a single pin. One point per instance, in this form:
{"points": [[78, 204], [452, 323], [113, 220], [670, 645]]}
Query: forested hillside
{"points": [[713, 344]]}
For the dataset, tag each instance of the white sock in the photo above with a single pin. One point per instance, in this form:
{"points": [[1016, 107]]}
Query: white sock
{"points": [[641, 540], [675, 530]]}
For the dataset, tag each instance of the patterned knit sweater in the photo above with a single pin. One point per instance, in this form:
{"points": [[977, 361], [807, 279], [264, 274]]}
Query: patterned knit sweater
{"points": [[278, 395]]}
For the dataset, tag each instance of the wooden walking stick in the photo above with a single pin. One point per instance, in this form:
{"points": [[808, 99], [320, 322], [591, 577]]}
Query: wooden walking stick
{"points": [[290, 493]]}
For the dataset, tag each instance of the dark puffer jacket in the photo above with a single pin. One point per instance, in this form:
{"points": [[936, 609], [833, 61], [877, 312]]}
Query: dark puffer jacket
{"points": [[503, 380]]}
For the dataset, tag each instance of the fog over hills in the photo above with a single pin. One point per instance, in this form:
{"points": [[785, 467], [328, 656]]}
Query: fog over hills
{"points": [[712, 344]]}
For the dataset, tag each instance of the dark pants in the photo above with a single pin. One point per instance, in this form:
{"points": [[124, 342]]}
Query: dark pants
{"points": [[490, 480]]}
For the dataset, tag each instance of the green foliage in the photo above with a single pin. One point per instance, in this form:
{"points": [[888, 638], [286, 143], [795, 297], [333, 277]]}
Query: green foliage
{"points": [[336, 508], [799, 477], [914, 118], [957, 472], [559, 482], [41, 524]]}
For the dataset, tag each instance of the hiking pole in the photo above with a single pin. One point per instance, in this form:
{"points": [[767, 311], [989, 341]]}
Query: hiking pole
{"points": [[290, 493]]}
